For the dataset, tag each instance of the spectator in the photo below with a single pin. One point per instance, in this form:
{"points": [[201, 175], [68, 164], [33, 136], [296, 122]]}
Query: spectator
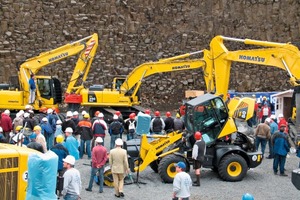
{"points": [[281, 148], [95, 116], [71, 143], [61, 152], [84, 129], [58, 130], [68, 122], [265, 112], [199, 150], [40, 138], [273, 129], [262, 134], [33, 144], [32, 88], [115, 130], [120, 119], [28, 122], [118, 161], [130, 126], [99, 128], [99, 158], [75, 117], [18, 121], [2, 137], [72, 179], [178, 123], [169, 122], [157, 124], [181, 183], [51, 118], [48, 132], [6, 124]]}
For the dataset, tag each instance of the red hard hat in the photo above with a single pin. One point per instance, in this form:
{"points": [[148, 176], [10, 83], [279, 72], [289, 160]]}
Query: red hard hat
{"points": [[132, 116], [157, 113], [198, 135], [147, 111], [118, 113], [168, 114], [97, 113]]}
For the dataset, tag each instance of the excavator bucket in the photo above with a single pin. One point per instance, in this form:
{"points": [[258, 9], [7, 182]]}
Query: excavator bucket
{"points": [[241, 108]]}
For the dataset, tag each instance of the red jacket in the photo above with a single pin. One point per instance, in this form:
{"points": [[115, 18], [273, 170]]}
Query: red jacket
{"points": [[6, 123], [99, 156]]}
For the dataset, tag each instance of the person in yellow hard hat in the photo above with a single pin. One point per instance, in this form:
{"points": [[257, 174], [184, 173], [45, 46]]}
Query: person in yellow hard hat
{"points": [[40, 138], [178, 123], [12, 135]]}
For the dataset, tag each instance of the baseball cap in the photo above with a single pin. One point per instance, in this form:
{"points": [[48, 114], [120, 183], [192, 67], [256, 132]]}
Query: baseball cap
{"points": [[180, 165]]}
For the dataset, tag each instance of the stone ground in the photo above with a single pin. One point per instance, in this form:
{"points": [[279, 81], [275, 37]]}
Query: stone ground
{"points": [[259, 181]]}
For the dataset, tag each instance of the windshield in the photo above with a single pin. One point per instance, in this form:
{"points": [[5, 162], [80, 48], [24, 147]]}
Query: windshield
{"points": [[208, 118]]}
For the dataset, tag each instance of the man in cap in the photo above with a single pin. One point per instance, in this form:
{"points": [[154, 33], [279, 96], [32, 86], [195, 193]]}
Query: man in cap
{"points": [[72, 180], [281, 148], [199, 150], [181, 183], [71, 143], [115, 130], [99, 158], [40, 138], [118, 161], [262, 134]]}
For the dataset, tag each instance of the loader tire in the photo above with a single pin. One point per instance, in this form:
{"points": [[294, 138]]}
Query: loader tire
{"points": [[233, 168], [154, 166], [166, 168]]}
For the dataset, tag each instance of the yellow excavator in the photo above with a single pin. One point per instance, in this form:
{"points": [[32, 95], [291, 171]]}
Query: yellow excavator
{"points": [[15, 96], [213, 117]]}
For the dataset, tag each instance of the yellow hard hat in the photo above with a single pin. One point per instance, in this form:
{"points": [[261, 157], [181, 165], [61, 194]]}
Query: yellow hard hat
{"points": [[86, 116], [59, 139], [37, 128], [19, 128], [178, 115]]}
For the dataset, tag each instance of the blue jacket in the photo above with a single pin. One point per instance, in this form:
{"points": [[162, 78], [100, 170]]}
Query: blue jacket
{"points": [[273, 127], [61, 152], [32, 84], [280, 144], [72, 145]]}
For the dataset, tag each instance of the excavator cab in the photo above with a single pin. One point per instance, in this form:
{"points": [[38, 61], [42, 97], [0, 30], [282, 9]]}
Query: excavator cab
{"points": [[207, 114], [49, 89]]}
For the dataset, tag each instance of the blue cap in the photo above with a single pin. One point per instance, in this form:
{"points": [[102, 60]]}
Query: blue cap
{"points": [[180, 165], [247, 196]]}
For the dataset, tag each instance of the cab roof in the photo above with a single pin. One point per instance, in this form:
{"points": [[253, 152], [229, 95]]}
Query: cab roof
{"points": [[200, 99]]}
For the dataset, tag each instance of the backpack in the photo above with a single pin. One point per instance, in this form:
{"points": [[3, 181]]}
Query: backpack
{"points": [[131, 127]]}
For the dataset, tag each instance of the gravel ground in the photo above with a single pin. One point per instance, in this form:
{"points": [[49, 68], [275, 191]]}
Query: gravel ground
{"points": [[260, 182]]}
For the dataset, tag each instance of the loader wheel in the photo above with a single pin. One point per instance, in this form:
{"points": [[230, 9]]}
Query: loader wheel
{"points": [[166, 168], [108, 178], [232, 168], [154, 166]]}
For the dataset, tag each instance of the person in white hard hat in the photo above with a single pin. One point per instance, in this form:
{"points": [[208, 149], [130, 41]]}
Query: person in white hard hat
{"points": [[48, 132], [58, 130], [6, 124], [71, 143], [75, 117], [99, 128], [118, 161], [115, 130], [19, 139], [68, 122], [99, 158], [72, 179]]}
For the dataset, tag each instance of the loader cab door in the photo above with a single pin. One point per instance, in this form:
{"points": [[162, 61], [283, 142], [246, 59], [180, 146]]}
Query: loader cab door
{"points": [[208, 117], [50, 88]]}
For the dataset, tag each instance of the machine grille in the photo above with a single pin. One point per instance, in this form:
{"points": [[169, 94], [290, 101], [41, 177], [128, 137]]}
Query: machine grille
{"points": [[9, 178]]}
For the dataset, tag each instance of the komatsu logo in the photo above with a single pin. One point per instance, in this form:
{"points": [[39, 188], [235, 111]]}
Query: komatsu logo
{"points": [[181, 67], [252, 58], [58, 57]]}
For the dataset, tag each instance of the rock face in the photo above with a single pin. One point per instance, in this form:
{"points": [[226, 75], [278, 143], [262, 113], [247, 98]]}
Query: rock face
{"points": [[133, 32]]}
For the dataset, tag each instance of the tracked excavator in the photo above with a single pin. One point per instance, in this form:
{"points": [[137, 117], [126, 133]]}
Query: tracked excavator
{"points": [[214, 117]]}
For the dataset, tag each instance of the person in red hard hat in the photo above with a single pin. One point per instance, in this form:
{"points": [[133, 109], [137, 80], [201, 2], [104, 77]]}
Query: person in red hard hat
{"points": [[199, 149], [157, 124], [169, 122]]}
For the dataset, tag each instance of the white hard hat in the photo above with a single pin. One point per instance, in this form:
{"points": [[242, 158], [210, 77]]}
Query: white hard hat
{"points": [[119, 142], [75, 113], [18, 114], [83, 112], [115, 117], [1, 130], [49, 110], [69, 114], [44, 119], [7, 112], [273, 117], [99, 140], [100, 115], [21, 112], [69, 159], [59, 122], [28, 107], [280, 115], [268, 120], [69, 130], [26, 115]]}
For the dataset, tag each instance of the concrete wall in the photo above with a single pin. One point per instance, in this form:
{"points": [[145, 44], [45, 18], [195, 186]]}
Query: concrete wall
{"points": [[133, 32]]}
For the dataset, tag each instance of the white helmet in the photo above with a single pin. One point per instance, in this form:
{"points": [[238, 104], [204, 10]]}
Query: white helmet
{"points": [[59, 122], [44, 119], [27, 107], [115, 117], [69, 130], [119, 142], [268, 120], [21, 112], [1, 129], [69, 159], [100, 115], [99, 140], [280, 115], [7, 112], [69, 114], [273, 117], [26, 115], [49, 111], [75, 113], [83, 112]]}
